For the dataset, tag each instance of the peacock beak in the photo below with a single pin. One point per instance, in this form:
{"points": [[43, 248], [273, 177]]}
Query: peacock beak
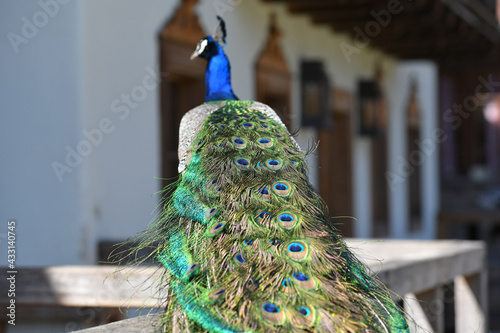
{"points": [[194, 55]]}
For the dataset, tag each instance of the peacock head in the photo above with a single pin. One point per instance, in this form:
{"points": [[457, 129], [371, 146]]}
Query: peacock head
{"points": [[211, 45], [206, 48]]}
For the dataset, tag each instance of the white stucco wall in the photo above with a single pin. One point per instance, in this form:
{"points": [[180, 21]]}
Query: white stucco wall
{"points": [[120, 57], [41, 112], [402, 161]]}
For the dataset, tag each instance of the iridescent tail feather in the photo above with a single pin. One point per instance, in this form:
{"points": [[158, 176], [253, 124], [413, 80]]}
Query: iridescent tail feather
{"points": [[246, 241]]}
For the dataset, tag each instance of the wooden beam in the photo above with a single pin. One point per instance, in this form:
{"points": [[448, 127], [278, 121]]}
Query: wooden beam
{"points": [[368, 13], [298, 7], [442, 56], [430, 23], [84, 286], [484, 13], [459, 7], [398, 23]]}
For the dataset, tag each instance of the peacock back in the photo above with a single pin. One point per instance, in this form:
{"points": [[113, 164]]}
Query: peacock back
{"points": [[246, 240]]}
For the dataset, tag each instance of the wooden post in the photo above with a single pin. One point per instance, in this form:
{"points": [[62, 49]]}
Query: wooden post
{"points": [[427, 309], [471, 303]]}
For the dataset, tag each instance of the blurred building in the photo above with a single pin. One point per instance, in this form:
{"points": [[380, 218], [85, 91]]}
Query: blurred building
{"points": [[401, 95]]}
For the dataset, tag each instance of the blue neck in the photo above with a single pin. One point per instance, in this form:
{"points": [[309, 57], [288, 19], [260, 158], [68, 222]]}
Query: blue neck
{"points": [[218, 79]]}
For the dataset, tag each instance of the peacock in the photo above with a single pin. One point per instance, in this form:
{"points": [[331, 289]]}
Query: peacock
{"points": [[243, 235]]}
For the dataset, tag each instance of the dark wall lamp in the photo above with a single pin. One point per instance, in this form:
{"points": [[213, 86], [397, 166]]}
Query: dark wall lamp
{"points": [[315, 95], [368, 103]]}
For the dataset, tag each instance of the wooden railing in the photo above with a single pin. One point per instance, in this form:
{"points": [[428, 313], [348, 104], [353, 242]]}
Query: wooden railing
{"points": [[416, 270]]}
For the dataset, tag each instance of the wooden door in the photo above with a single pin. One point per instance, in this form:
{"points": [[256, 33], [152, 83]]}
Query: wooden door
{"points": [[380, 202], [379, 156], [335, 173], [182, 86], [413, 136]]}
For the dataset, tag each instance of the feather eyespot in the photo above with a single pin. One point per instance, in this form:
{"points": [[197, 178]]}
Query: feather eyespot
{"points": [[304, 311], [304, 316], [239, 259], [239, 143], [192, 270], [263, 216], [211, 212], [271, 308], [282, 188], [272, 313], [274, 241], [213, 189], [264, 193], [296, 247], [286, 286], [253, 283], [198, 144], [216, 229], [217, 293], [248, 125], [264, 127], [265, 143], [297, 251], [223, 145], [274, 164], [300, 276], [263, 118], [246, 116], [222, 126], [288, 220], [303, 280], [242, 163], [248, 242], [236, 117]]}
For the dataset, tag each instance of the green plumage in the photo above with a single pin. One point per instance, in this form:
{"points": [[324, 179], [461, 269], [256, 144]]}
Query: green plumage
{"points": [[247, 245]]}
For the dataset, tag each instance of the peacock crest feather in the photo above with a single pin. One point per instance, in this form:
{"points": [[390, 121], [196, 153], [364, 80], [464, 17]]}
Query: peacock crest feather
{"points": [[245, 238]]}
